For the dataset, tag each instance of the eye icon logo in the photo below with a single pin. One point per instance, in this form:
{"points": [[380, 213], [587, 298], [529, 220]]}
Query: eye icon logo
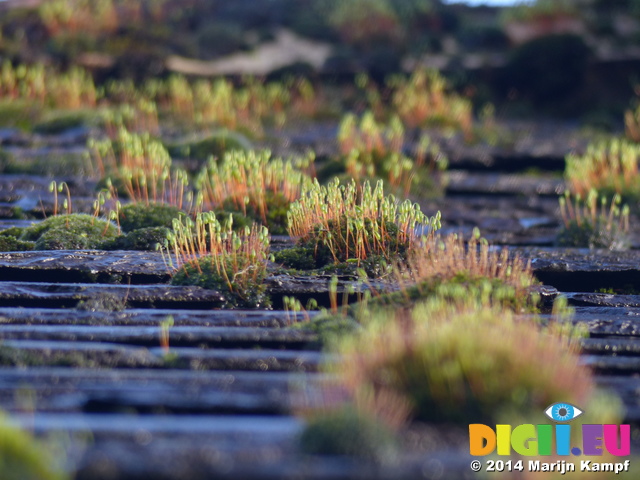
{"points": [[563, 412]]}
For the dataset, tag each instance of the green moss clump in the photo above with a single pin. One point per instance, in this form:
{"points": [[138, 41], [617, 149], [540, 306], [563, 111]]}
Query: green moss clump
{"points": [[305, 258], [346, 432], [335, 240], [69, 232], [61, 239], [12, 232], [150, 238], [214, 145], [277, 207], [589, 225], [242, 282], [9, 243], [463, 362], [460, 288], [299, 258], [139, 215], [23, 458]]}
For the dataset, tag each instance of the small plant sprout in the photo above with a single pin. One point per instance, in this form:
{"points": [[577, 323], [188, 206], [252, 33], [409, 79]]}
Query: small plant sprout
{"points": [[56, 188], [343, 222], [608, 167], [207, 253], [295, 311], [593, 222], [165, 325]]}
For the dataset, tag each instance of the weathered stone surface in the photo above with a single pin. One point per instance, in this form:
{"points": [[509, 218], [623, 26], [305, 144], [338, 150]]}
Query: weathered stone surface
{"points": [[227, 447], [147, 391], [583, 270], [135, 268], [460, 181], [611, 346], [603, 299], [26, 353], [212, 337], [522, 145], [238, 359], [142, 317], [613, 365], [84, 266], [32, 294], [610, 321], [582, 260], [627, 388]]}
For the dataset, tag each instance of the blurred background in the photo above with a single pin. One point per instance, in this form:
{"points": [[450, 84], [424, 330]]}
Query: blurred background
{"points": [[577, 59]]}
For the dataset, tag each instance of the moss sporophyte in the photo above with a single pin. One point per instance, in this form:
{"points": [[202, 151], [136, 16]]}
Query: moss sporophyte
{"points": [[255, 185], [373, 149], [209, 254], [343, 222], [609, 167], [593, 222]]}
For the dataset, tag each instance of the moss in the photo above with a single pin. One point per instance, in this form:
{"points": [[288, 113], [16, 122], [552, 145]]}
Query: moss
{"points": [[305, 258], [245, 285], [460, 288], [299, 258], [240, 221], [60, 122], [277, 207], [585, 234], [53, 164], [345, 247], [346, 432], [214, 145], [69, 232], [139, 215], [19, 113], [462, 363], [12, 232], [9, 243], [22, 457], [61, 239], [150, 238]]}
